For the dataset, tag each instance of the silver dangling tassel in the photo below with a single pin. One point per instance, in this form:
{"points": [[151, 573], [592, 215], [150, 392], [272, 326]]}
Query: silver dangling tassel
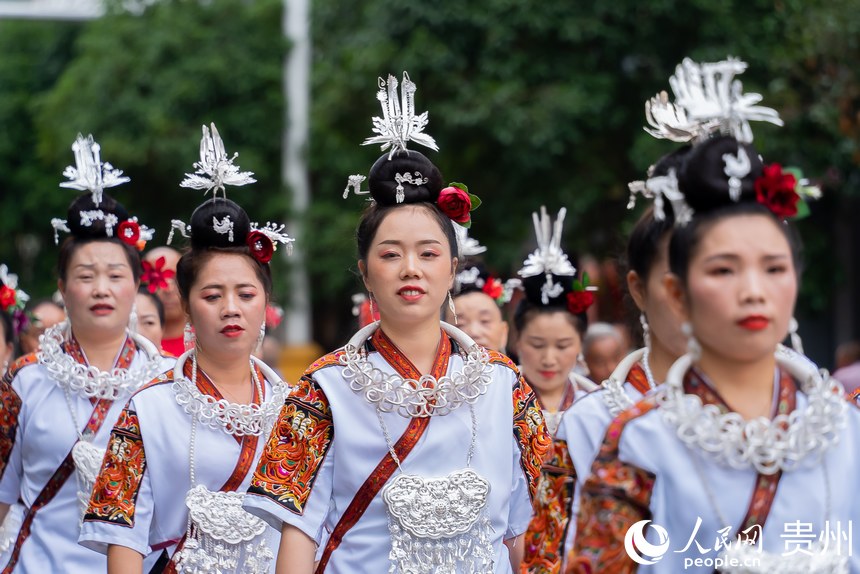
{"points": [[188, 336], [261, 336], [452, 307], [646, 330], [132, 319], [796, 342], [693, 346]]}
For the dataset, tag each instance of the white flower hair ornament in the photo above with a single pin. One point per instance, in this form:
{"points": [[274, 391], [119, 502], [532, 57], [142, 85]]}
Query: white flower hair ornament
{"points": [[96, 216], [221, 222]]}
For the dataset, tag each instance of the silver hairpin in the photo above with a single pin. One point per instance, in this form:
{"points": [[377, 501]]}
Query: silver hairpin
{"points": [[223, 227], [215, 170], [399, 124], [402, 178], [660, 188], [467, 246], [354, 182], [737, 167], [178, 225], [89, 173], [275, 232]]}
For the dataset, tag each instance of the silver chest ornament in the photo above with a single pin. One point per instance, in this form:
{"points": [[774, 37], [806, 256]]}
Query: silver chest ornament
{"points": [[222, 537], [438, 525]]}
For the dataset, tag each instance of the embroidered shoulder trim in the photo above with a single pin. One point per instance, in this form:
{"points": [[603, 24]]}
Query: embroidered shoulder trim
{"points": [[296, 448], [531, 433], [118, 483], [19, 364], [497, 358], [165, 377], [10, 408], [325, 361]]}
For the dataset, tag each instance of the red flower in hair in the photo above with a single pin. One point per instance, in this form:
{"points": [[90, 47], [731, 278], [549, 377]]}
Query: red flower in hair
{"points": [[261, 246], [7, 297], [455, 203], [776, 190], [578, 302], [155, 276], [493, 287], [129, 232]]}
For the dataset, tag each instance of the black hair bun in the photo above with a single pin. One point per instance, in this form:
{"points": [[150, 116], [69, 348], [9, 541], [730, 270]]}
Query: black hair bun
{"points": [[85, 222], [533, 287], [219, 222], [703, 180], [415, 165], [673, 160]]}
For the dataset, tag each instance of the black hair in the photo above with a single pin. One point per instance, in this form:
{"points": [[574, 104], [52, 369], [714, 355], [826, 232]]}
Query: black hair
{"points": [[8, 328], [707, 190], [207, 242], [686, 239], [159, 306], [526, 311], [383, 183], [96, 231]]}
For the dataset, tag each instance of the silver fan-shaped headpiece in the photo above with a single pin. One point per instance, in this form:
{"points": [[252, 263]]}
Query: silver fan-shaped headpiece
{"points": [[548, 258], [709, 100], [399, 124], [89, 173], [215, 170]]}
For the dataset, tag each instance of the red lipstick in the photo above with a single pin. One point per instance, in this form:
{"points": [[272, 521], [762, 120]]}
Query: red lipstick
{"points": [[754, 322], [232, 331]]}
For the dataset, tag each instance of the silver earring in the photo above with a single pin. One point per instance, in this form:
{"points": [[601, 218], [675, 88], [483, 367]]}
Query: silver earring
{"points": [[646, 330], [452, 307], [373, 312], [132, 319], [796, 342], [188, 336], [693, 347], [262, 334]]}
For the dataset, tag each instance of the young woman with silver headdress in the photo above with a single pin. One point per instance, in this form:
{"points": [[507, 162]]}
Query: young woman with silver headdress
{"points": [[57, 405], [550, 321], [734, 461], [412, 448], [183, 451]]}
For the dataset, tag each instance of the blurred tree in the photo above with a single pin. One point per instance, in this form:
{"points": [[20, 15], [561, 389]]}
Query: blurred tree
{"points": [[34, 56], [144, 84], [531, 103]]}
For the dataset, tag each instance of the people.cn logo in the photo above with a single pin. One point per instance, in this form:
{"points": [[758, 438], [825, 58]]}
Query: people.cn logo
{"points": [[639, 549]]}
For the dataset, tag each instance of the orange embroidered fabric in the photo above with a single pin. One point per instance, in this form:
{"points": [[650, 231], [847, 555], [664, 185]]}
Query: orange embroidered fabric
{"points": [[545, 537], [530, 432], [10, 408], [614, 497], [296, 448], [118, 483], [638, 379]]}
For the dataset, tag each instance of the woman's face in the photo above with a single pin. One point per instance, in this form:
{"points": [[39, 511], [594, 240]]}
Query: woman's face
{"points": [[741, 288], [653, 299], [479, 316], [548, 347], [148, 323], [99, 290], [409, 268], [227, 305]]}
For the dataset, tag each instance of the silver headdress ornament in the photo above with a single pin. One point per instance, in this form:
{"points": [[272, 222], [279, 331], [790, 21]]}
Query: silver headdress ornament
{"points": [[275, 232], [467, 246], [548, 258], [215, 170], [399, 124], [708, 100], [89, 173]]}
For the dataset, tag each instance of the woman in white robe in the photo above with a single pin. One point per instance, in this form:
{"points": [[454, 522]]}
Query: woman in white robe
{"points": [[735, 463], [182, 453], [59, 404], [424, 476]]}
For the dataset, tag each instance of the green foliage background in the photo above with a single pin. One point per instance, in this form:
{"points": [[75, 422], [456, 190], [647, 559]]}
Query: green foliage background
{"points": [[531, 103]]}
